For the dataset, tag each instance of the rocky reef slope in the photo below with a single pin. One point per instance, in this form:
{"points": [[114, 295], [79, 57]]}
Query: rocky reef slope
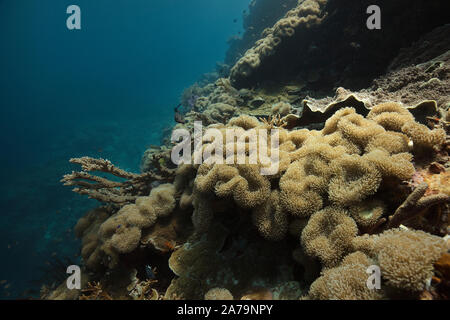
{"points": [[362, 180]]}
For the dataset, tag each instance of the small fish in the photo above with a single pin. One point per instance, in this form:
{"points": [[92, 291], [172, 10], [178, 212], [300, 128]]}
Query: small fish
{"points": [[435, 119], [149, 271], [170, 244], [3, 281], [6, 286]]}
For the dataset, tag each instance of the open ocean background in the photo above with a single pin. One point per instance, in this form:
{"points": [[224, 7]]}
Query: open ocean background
{"points": [[107, 90]]}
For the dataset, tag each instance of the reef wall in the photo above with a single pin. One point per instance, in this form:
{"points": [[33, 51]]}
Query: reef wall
{"points": [[261, 14], [326, 43]]}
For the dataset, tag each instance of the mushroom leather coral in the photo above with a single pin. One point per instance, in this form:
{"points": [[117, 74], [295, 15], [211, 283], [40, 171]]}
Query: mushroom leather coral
{"points": [[346, 281], [343, 164], [405, 257], [121, 232]]}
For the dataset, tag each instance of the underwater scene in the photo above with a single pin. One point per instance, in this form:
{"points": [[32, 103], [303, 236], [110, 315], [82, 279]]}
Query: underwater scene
{"points": [[225, 150]]}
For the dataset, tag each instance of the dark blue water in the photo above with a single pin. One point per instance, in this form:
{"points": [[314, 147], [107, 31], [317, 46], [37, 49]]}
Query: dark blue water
{"points": [[107, 90]]}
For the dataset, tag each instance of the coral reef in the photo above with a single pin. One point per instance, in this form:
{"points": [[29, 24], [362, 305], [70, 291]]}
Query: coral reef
{"points": [[336, 49], [304, 15], [327, 192], [361, 181], [261, 14]]}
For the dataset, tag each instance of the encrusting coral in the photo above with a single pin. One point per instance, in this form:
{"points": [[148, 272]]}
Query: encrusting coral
{"points": [[414, 204]]}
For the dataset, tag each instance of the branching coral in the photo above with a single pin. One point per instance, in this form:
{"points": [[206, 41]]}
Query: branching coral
{"points": [[104, 190], [415, 204], [95, 291], [332, 185], [273, 122], [142, 290]]}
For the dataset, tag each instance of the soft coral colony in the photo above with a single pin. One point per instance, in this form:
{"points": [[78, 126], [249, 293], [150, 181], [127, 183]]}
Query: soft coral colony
{"points": [[361, 182]]}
